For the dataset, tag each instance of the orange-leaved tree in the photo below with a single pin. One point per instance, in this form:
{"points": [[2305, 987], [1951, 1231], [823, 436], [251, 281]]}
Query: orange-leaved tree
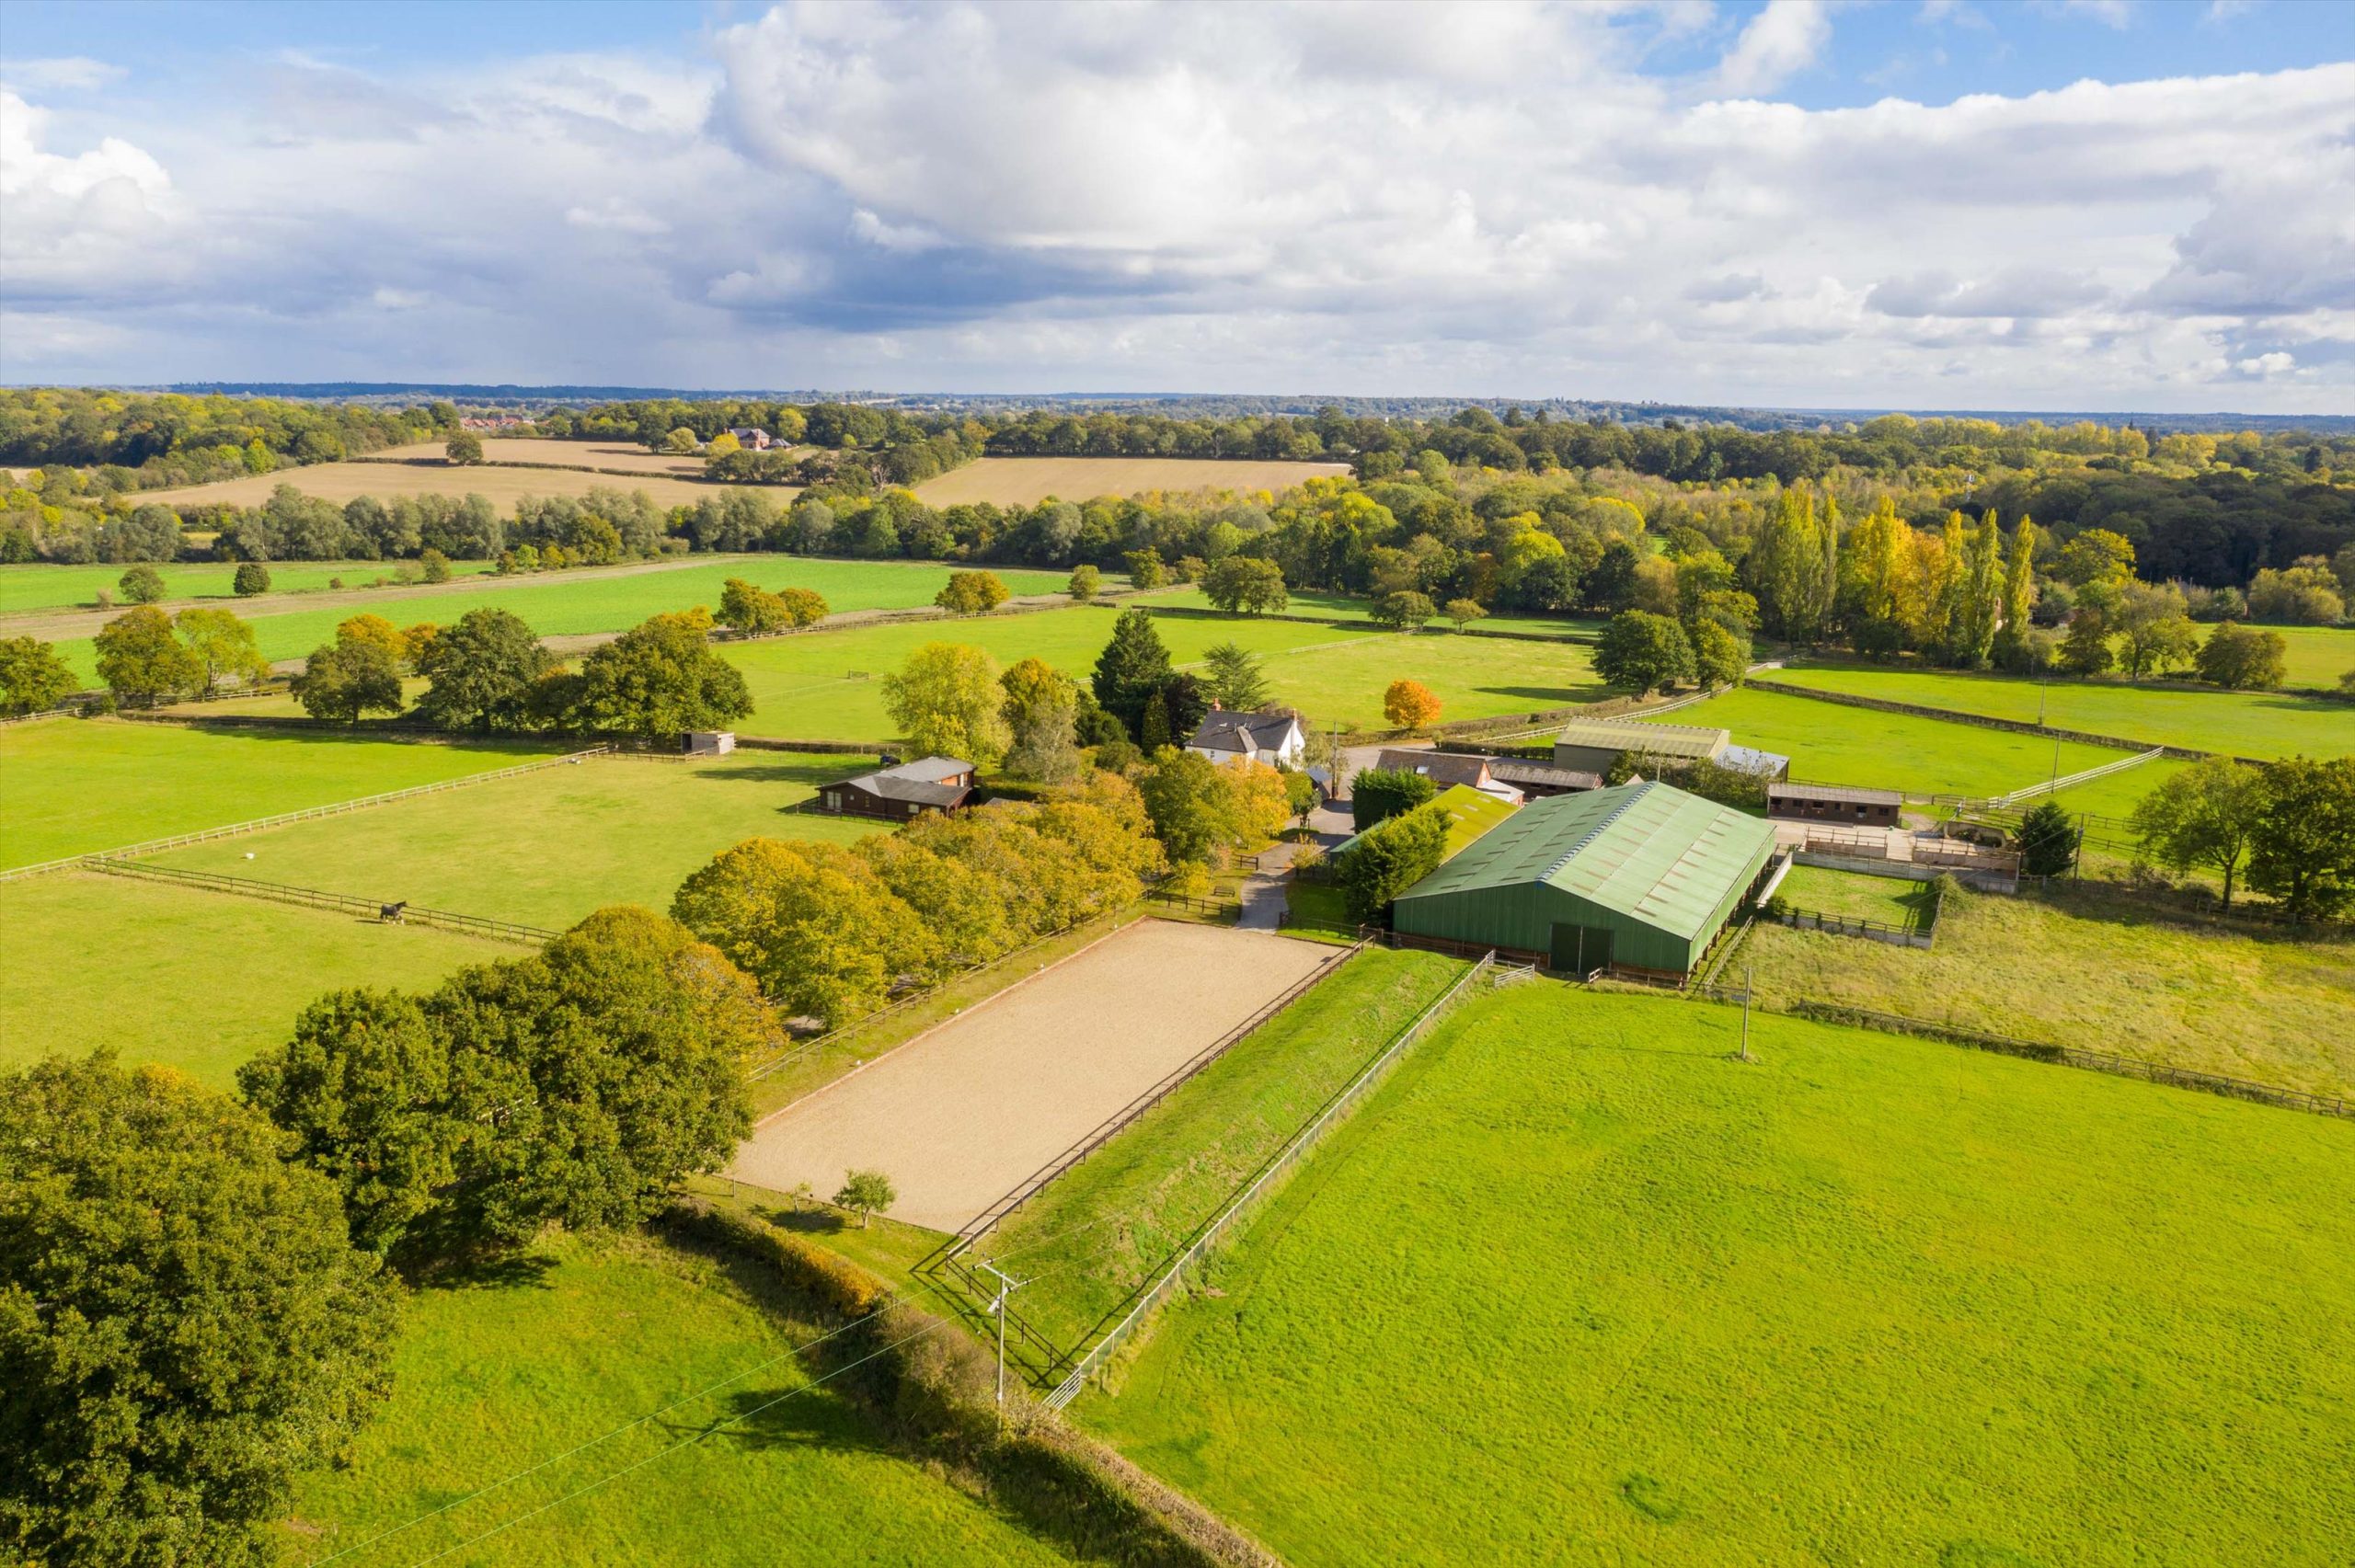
{"points": [[1409, 705]]}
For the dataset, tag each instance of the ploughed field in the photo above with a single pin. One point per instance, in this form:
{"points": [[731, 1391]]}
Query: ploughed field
{"points": [[1575, 1286], [1026, 481]]}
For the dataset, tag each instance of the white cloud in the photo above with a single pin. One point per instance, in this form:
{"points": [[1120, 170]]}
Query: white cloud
{"points": [[67, 74], [1780, 41], [615, 214]]}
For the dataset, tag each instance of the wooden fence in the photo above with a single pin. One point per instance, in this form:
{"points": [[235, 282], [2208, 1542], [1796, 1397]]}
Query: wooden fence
{"points": [[312, 898]]}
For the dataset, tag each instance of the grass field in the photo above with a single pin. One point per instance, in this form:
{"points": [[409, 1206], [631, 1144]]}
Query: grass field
{"points": [[341, 482], [547, 453], [1344, 607], [1831, 744], [1892, 900], [562, 605], [1575, 1288], [1026, 481], [32, 588], [192, 979], [2245, 723], [580, 1339], [1094, 1234], [2117, 796], [2318, 655], [75, 786], [800, 686], [2095, 970], [549, 847]]}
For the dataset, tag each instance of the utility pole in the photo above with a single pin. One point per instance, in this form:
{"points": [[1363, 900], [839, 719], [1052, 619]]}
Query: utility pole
{"points": [[1749, 973], [1006, 1286]]}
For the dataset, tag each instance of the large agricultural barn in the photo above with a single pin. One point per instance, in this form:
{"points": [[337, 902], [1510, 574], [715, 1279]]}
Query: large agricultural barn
{"points": [[1641, 876]]}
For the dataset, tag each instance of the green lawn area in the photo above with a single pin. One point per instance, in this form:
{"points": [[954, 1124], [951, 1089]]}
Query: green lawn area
{"points": [[1831, 744], [1099, 1229], [1347, 607], [2318, 655], [75, 786], [44, 586], [1892, 900], [2117, 796], [803, 688], [561, 604], [2245, 723], [584, 1338], [2095, 970], [192, 979], [548, 847], [1573, 1286]]}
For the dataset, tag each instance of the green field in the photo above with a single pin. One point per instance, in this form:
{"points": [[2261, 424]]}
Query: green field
{"points": [[2096, 971], [2318, 655], [579, 1339], [37, 586], [802, 688], [546, 848], [1892, 900], [1098, 1231], [2244, 724], [1831, 744], [2115, 795], [192, 979], [1573, 1286], [565, 604], [1348, 606], [75, 786]]}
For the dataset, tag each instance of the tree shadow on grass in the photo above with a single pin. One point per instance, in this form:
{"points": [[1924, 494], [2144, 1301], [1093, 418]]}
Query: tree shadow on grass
{"points": [[824, 771], [1551, 696], [807, 1221], [804, 1417], [483, 1269]]}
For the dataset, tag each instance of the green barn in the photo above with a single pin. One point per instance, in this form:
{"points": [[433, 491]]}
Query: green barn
{"points": [[1640, 876]]}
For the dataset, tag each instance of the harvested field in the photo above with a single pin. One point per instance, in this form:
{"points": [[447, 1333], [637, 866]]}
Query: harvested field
{"points": [[1026, 481], [341, 482], [544, 454], [959, 1116]]}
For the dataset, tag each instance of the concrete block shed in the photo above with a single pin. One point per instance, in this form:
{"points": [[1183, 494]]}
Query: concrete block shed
{"points": [[1642, 876]]}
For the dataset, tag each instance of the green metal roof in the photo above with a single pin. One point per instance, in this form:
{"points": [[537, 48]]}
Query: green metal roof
{"points": [[1649, 851], [1652, 739]]}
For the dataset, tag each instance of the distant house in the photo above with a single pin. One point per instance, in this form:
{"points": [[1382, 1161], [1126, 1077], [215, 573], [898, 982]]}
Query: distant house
{"points": [[751, 439], [1446, 769], [1273, 739], [1857, 807], [902, 790]]}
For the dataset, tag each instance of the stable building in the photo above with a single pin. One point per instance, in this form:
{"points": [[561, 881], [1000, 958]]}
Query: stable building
{"points": [[1639, 877], [902, 790], [1595, 745], [1448, 769], [1857, 807], [1538, 779]]}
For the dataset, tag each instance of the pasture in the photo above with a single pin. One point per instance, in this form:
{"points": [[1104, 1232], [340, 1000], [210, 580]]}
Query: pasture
{"points": [[77, 786], [594, 600], [2318, 655], [1026, 481], [28, 588], [1348, 607], [2101, 971], [342, 481], [804, 687], [960, 1116], [588, 1357], [1575, 1286], [1831, 744], [191, 980], [2263, 725], [546, 848]]}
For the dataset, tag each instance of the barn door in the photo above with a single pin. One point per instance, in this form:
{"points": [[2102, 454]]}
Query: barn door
{"points": [[1581, 949]]}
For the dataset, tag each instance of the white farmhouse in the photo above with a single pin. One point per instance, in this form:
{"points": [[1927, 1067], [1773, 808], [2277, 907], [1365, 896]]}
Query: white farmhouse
{"points": [[1276, 739]]}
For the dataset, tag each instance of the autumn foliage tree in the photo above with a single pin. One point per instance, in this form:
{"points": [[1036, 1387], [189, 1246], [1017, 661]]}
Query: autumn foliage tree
{"points": [[1410, 705]]}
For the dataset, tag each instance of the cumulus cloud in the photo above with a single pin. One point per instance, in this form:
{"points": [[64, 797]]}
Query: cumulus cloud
{"points": [[1368, 197]]}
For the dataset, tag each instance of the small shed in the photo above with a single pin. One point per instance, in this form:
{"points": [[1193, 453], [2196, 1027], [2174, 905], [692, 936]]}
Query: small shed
{"points": [[1857, 807], [710, 742], [1593, 746], [1640, 876], [903, 790]]}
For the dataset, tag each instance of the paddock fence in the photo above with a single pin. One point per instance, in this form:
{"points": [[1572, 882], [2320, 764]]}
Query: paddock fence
{"points": [[340, 903]]}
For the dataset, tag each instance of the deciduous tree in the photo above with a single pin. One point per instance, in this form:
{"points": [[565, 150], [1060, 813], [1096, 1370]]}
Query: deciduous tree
{"points": [[2243, 658], [345, 679], [481, 672], [1410, 705], [2205, 816], [1248, 585], [2303, 850], [659, 679], [140, 585], [223, 644], [1084, 582], [972, 593], [1644, 651], [811, 922], [1464, 611], [947, 702], [33, 679], [865, 1193], [141, 660], [253, 577], [463, 448]]}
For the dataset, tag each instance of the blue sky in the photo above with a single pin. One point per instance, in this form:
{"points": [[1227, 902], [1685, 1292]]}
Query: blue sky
{"points": [[2109, 205]]}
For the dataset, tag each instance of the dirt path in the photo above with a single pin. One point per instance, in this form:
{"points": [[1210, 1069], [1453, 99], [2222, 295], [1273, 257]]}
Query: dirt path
{"points": [[962, 1115]]}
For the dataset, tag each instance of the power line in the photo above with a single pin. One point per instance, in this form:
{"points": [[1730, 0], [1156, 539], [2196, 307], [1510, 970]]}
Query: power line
{"points": [[682, 1443]]}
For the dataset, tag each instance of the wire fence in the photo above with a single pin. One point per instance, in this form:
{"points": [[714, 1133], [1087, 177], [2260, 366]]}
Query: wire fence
{"points": [[386, 911]]}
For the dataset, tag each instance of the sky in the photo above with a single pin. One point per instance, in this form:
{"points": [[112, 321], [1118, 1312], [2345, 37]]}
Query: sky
{"points": [[2129, 205]]}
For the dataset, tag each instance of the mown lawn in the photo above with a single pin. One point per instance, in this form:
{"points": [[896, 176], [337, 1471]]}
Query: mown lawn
{"points": [[2094, 969], [2244, 724], [580, 1339], [75, 786], [1831, 744], [824, 686], [1098, 1230], [193, 980], [1892, 900], [1574, 1287], [562, 605], [42, 586], [548, 847]]}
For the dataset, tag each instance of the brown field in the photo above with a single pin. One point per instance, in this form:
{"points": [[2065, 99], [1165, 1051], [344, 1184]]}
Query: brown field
{"points": [[556, 454], [1026, 481], [960, 1116], [342, 481]]}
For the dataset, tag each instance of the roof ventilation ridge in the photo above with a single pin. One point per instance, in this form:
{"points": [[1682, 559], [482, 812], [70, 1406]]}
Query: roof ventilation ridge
{"points": [[1634, 793]]}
